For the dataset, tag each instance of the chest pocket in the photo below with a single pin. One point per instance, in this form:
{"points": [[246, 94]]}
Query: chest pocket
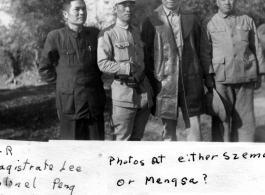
{"points": [[243, 32], [218, 35], [122, 50], [68, 58]]}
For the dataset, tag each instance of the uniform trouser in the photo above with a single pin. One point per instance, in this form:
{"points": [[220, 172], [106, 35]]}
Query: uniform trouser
{"points": [[129, 123], [82, 129], [238, 101]]}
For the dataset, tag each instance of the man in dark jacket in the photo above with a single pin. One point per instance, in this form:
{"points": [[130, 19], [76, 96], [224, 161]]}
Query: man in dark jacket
{"points": [[69, 60], [172, 66]]}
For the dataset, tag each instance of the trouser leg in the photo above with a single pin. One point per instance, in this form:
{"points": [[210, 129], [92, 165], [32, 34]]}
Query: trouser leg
{"points": [[129, 123], [67, 128], [123, 120], [140, 121], [97, 128], [243, 119], [194, 132], [82, 129], [169, 129]]}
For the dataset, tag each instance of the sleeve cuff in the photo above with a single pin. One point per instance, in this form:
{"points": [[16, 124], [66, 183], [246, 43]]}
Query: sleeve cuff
{"points": [[124, 68]]}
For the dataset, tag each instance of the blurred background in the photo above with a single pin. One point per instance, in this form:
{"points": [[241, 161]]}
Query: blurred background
{"points": [[27, 105]]}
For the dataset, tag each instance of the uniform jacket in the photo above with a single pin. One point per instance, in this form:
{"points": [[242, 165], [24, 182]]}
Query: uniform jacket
{"points": [[69, 60], [163, 65], [118, 46], [232, 55]]}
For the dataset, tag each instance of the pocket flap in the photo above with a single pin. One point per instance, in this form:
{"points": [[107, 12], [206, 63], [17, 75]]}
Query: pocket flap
{"points": [[141, 43], [68, 91], [218, 60], [243, 28], [122, 45], [216, 30], [68, 52]]}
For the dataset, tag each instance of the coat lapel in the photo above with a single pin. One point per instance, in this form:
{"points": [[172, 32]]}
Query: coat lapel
{"points": [[186, 24], [160, 22]]}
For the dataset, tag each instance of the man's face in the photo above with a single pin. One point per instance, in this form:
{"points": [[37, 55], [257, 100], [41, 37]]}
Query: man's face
{"points": [[226, 6], [171, 4], [76, 14], [125, 11]]}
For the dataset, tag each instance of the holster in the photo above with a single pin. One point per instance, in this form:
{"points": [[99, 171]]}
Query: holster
{"points": [[131, 81]]}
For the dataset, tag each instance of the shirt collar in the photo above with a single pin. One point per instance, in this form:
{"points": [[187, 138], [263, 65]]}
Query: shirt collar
{"points": [[223, 15], [168, 11], [75, 34], [122, 24]]}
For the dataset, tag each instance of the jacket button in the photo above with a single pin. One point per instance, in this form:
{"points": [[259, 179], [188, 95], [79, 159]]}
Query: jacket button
{"points": [[166, 59], [165, 76]]}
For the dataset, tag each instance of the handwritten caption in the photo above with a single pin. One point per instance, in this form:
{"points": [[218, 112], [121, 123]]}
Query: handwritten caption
{"points": [[26, 165], [189, 158], [58, 183]]}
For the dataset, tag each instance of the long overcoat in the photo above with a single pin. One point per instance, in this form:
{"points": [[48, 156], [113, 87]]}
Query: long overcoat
{"points": [[164, 60]]}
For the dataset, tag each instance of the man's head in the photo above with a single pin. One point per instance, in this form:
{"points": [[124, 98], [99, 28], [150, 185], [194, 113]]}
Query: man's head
{"points": [[171, 4], [125, 10], [226, 6], [75, 12]]}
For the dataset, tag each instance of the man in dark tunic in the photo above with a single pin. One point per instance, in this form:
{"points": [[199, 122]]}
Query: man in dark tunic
{"points": [[69, 60]]}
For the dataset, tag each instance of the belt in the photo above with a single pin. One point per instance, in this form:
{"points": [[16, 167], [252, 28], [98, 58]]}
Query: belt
{"points": [[131, 82]]}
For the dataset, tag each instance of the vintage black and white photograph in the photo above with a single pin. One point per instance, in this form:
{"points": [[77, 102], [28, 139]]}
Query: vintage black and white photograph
{"points": [[181, 82], [150, 70]]}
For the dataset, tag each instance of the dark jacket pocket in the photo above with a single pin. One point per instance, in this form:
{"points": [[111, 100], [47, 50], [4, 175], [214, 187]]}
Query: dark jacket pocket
{"points": [[68, 58], [66, 98]]}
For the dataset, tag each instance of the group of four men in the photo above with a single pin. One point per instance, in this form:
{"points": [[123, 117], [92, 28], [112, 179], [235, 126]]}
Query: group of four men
{"points": [[155, 71]]}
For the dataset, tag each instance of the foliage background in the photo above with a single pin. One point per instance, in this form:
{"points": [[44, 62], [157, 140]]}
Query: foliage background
{"points": [[22, 41]]}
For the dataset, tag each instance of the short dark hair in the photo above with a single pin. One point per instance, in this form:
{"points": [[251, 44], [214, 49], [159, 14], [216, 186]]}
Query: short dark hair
{"points": [[67, 3]]}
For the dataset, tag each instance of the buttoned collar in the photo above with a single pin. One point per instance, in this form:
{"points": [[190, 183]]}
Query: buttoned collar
{"points": [[223, 15], [123, 25], [168, 11], [79, 34]]}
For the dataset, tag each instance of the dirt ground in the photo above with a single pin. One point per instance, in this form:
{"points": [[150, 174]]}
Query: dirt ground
{"points": [[27, 112]]}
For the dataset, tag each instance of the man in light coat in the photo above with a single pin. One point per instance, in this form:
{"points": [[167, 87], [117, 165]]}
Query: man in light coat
{"points": [[172, 39], [120, 53], [233, 63]]}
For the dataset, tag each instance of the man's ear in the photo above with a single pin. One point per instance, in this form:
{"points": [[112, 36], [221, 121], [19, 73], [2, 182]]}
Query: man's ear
{"points": [[217, 3], [65, 14]]}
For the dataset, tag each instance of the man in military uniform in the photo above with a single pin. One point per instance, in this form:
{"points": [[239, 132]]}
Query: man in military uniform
{"points": [[232, 62], [172, 63], [120, 53], [69, 60]]}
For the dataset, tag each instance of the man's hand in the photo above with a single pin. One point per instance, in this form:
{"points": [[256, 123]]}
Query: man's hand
{"points": [[209, 82], [258, 83]]}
